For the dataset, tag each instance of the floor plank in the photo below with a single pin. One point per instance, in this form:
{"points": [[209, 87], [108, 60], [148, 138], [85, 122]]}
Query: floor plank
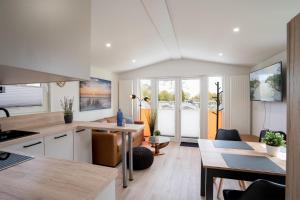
{"points": [[173, 176]]}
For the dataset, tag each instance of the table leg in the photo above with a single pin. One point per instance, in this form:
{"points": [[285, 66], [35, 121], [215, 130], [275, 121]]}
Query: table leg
{"points": [[130, 156], [209, 185], [124, 162], [202, 189]]}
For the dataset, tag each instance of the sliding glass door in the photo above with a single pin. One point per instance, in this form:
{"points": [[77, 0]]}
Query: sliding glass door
{"points": [[166, 107]]}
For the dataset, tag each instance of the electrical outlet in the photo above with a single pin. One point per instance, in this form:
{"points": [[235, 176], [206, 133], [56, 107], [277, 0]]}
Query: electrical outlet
{"points": [[2, 89]]}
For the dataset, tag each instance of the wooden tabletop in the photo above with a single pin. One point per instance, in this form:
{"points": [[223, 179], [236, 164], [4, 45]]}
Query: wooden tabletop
{"points": [[212, 156]]}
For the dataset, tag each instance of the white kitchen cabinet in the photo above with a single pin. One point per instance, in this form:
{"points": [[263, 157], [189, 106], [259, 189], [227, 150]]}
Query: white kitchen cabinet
{"points": [[83, 145], [59, 146], [32, 148]]}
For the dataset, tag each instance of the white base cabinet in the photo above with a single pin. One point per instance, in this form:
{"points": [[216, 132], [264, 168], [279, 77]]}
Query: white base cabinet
{"points": [[72, 145], [32, 148], [59, 146], [83, 145]]}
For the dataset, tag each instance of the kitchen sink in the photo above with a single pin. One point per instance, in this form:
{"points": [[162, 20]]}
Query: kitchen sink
{"points": [[14, 134]]}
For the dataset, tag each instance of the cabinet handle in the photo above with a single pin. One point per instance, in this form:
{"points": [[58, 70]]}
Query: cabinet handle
{"points": [[30, 145], [81, 130], [57, 137]]}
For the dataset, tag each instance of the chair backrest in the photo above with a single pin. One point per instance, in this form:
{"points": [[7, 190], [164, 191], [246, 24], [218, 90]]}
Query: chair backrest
{"points": [[263, 190], [263, 133], [225, 134]]}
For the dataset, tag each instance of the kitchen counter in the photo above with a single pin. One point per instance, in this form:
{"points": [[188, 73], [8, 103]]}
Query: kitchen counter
{"points": [[60, 128], [46, 178]]}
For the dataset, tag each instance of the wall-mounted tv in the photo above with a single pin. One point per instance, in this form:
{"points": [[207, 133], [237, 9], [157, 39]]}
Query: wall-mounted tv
{"points": [[266, 83]]}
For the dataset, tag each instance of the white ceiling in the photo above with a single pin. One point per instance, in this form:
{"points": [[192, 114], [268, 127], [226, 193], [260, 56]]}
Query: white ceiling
{"points": [[151, 31]]}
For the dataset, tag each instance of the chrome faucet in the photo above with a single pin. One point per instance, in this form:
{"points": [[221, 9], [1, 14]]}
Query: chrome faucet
{"points": [[6, 112]]}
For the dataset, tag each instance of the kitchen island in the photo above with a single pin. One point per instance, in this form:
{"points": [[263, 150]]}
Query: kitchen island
{"points": [[54, 173]]}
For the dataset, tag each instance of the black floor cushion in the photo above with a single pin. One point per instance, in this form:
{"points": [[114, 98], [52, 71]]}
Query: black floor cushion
{"points": [[142, 158]]}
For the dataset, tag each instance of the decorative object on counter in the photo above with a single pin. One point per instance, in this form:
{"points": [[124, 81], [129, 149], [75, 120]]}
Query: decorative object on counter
{"points": [[61, 83], [273, 142], [119, 118], [146, 99], [67, 106], [95, 94]]}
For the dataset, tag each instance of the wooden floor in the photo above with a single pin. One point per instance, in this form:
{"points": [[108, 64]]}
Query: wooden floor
{"points": [[173, 176]]}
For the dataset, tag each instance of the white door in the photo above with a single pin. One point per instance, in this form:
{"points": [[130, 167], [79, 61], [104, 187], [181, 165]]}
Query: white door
{"points": [[190, 109], [166, 107]]}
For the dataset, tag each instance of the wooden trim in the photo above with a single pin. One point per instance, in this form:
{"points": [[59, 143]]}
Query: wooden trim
{"points": [[293, 99]]}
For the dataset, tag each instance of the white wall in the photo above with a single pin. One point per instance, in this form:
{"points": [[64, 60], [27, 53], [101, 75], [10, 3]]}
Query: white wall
{"points": [[71, 89], [193, 68], [49, 36], [184, 68], [275, 117]]}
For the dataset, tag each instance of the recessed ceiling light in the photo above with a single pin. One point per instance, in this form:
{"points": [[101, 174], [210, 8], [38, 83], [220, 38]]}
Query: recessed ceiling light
{"points": [[236, 30], [133, 61], [220, 54], [108, 45]]}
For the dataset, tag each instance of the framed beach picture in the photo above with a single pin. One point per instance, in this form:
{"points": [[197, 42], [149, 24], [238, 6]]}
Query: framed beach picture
{"points": [[95, 94]]}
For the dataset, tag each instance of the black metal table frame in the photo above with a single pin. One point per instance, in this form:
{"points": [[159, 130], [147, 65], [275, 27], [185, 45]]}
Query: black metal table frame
{"points": [[207, 175]]}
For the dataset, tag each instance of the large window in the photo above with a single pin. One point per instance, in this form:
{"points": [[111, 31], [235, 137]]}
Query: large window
{"points": [[22, 96]]}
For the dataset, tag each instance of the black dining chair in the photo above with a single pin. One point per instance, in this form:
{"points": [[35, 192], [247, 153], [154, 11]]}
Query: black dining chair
{"points": [[263, 133], [258, 190], [229, 135]]}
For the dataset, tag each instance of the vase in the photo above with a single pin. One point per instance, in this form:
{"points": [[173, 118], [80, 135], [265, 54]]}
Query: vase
{"points": [[272, 151], [68, 118]]}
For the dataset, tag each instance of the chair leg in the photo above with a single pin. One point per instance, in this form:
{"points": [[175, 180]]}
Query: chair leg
{"points": [[220, 188]]}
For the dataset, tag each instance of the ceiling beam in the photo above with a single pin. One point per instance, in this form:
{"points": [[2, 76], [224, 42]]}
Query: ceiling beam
{"points": [[160, 17]]}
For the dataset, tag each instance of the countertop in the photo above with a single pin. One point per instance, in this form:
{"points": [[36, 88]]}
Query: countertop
{"points": [[47, 178], [61, 128]]}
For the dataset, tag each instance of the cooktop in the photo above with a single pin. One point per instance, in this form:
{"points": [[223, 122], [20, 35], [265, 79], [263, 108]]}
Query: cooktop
{"points": [[14, 134]]}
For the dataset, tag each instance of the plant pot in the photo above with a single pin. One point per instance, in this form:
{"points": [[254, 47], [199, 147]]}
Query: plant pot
{"points": [[68, 118], [152, 139], [272, 151]]}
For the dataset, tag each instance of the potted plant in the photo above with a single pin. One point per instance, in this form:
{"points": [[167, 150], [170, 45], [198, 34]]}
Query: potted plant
{"points": [[273, 142], [156, 134], [67, 106]]}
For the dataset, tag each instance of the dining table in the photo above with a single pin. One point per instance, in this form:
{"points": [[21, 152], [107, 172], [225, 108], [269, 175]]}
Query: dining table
{"points": [[240, 160]]}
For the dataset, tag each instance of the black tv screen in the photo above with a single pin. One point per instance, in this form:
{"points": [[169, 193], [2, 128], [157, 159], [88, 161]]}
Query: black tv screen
{"points": [[266, 83]]}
